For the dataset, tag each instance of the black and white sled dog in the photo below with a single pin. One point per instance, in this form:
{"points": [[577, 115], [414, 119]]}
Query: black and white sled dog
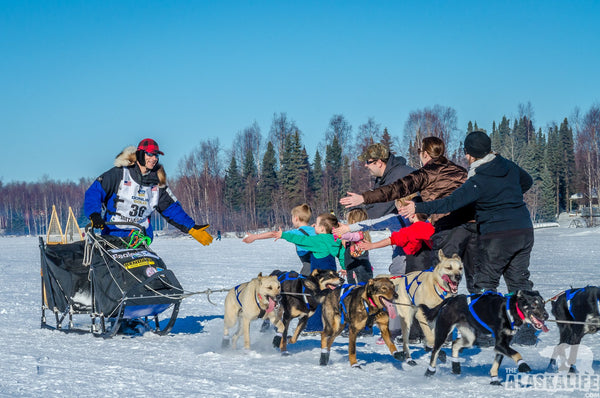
{"points": [[488, 313], [300, 296], [581, 306]]}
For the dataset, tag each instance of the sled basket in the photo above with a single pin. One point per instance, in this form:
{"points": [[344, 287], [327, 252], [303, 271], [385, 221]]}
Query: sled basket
{"points": [[114, 284]]}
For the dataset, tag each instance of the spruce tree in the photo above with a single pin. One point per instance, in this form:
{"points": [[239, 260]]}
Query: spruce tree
{"points": [[501, 137], [249, 180], [293, 171], [568, 156], [316, 181], [232, 195], [547, 208], [386, 140], [267, 186], [333, 175], [555, 165]]}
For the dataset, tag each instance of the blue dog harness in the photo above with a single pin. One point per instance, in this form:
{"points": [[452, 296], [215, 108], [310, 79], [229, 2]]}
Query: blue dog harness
{"points": [[408, 286], [238, 291], [477, 318], [508, 314], [346, 289], [570, 295], [287, 276]]}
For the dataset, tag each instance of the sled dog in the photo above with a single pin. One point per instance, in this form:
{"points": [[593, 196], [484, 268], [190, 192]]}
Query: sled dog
{"points": [[574, 305], [354, 306], [258, 298], [300, 296], [429, 288], [487, 313]]}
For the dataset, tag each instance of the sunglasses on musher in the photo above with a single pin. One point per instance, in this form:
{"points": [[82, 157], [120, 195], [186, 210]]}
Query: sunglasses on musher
{"points": [[371, 161], [152, 154]]}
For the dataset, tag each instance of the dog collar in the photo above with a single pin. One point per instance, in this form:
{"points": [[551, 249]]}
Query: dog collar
{"points": [[519, 312], [444, 291], [371, 301], [510, 317], [261, 312]]}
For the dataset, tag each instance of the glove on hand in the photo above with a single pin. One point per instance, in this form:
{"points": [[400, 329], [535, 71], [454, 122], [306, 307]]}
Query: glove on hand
{"points": [[198, 232], [97, 221]]}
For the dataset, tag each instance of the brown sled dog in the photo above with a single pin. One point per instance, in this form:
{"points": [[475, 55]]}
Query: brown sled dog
{"points": [[258, 298], [300, 296], [429, 288], [354, 306]]}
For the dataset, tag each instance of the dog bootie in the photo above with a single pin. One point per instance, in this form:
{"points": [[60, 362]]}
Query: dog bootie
{"points": [[276, 341], [265, 326], [226, 342], [324, 360]]}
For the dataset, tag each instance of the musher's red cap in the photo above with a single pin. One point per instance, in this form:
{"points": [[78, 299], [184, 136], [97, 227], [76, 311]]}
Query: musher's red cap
{"points": [[150, 146]]}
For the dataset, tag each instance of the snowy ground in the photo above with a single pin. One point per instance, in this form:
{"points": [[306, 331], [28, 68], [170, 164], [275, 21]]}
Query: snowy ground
{"points": [[190, 361]]}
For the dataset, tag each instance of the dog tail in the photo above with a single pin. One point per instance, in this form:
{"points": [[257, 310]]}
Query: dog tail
{"points": [[432, 313]]}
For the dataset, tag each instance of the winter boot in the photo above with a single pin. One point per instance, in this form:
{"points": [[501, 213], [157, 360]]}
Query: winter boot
{"points": [[525, 336]]}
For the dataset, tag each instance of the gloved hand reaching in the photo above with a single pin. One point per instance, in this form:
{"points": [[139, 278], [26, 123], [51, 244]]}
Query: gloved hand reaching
{"points": [[199, 233], [97, 221]]}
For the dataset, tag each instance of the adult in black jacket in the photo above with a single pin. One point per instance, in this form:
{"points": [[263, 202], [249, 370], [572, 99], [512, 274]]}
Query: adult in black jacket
{"points": [[496, 186]]}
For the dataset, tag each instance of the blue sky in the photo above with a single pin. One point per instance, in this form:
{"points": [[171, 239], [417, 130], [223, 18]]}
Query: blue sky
{"points": [[80, 80]]}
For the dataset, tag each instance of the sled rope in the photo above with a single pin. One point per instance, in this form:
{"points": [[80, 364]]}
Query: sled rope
{"points": [[573, 322]]}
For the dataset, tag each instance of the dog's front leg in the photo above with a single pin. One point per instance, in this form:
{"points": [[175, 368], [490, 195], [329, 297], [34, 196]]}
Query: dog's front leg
{"points": [[302, 321], [429, 337], [326, 337], [405, 322], [353, 333], [246, 329], [572, 358], [494, 371], [382, 323], [282, 325], [504, 349]]}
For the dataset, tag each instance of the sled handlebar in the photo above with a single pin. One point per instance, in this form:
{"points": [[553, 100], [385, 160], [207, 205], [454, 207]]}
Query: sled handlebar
{"points": [[142, 229]]}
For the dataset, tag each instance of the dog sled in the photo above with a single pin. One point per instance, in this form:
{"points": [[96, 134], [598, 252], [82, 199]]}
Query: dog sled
{"points": [[115, 282]]}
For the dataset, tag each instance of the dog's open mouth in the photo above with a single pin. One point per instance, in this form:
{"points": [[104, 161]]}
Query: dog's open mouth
{"points": [[332, 286], [538, 324], [272, 304], [389, 307], [453, 286]]}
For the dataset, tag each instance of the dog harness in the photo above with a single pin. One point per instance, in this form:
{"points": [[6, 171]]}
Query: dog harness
{"points": [[408, 286], [346, 289], [570, 295], [237, 296], [508, 314], [292, 276]]}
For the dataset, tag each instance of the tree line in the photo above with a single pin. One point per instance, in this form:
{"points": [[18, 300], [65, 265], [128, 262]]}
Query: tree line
{"points": [[255, 183]]}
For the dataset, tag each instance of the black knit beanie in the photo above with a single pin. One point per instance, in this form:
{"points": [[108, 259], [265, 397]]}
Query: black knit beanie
{"points": [[478, 144]]}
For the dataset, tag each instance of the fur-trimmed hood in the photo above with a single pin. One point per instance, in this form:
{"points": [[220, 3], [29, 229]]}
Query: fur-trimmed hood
{"points": [[127, 158]]}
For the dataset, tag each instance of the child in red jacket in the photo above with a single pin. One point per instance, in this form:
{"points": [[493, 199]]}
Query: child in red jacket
{"points": [[414, 240]]}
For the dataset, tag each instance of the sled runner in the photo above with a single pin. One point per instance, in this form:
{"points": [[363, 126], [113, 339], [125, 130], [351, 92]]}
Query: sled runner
{"points": [[119, 283]]}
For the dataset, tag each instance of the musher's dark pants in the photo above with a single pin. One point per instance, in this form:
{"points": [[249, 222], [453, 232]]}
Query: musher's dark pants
{"points": [[506, 254]]}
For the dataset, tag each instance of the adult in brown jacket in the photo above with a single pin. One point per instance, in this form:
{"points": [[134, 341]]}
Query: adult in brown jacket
{"points": [[455, 232]]}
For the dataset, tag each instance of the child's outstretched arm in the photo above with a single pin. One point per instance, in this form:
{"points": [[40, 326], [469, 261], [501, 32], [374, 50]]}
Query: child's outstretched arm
{"points": [[351, 236], [252, 237], [341, 230], [374, 245]]}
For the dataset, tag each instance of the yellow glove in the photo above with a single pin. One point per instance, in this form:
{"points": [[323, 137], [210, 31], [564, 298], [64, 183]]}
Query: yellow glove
{"points": [[198, 232]]}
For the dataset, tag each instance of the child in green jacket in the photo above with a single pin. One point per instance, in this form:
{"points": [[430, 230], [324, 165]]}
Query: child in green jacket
{"points": [[323, 247]]}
